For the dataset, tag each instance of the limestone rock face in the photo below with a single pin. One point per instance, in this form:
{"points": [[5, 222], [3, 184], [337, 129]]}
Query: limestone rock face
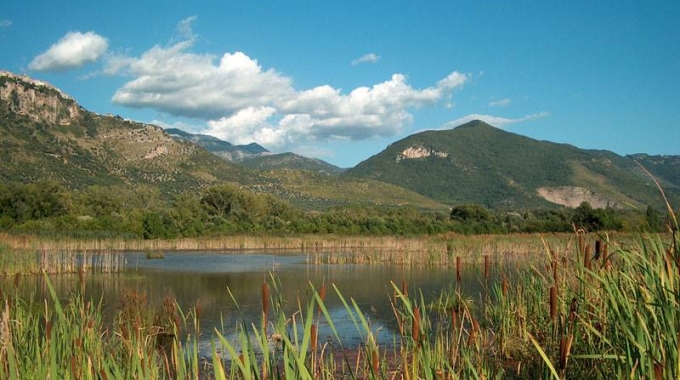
{"points": [[38, 100], [416, 152]]}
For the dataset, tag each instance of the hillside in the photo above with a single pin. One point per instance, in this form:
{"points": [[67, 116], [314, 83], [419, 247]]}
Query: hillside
{"points": [[313, 191], [47, 135], [291, 161], [477, 163]]}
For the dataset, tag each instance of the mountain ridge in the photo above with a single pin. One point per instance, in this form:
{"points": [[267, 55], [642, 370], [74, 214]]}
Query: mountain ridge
{"points": [[514, 171], [47, 135]]}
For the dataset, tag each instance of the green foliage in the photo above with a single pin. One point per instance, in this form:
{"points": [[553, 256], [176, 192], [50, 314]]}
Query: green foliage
{"points": [[46, 207], [477, 163], [596, 219]]}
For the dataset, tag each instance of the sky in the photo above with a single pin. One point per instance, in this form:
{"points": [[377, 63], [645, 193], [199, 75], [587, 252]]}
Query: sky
{"points": [[341, 80]]}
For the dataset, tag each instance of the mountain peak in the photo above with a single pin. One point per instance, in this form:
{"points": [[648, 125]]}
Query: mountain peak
{"points": [[474, 124]]}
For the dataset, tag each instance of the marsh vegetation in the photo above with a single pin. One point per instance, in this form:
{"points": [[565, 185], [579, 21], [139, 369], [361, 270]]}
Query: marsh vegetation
{"points": [[590, 306]]}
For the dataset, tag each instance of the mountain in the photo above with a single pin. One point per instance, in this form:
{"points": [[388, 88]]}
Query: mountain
{"points": [[477, 163], [226, 150], [291, 161], [46, 134], [254, 155]]}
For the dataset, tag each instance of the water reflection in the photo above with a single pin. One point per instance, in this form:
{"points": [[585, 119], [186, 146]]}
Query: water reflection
{"points": [[204, 279]]}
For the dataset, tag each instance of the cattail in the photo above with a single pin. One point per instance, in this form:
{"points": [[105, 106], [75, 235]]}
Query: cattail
{"points": [[314, 337], [454, 318], [322, 294], [265, 305], [598, 249], [404, 288], [416, 325], [555, 275], [586, 257], [17, 279], [74, 369], [553, 303], [505, 287], [458, 270], [658, 371], [199, 309], [48, 330], [376, 361], [486, 266], [565, 351]]}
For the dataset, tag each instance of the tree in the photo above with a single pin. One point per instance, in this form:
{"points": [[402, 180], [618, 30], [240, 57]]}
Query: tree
{"points": [[470, 213]]}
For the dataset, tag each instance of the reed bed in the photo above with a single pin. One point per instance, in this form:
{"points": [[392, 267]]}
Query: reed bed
{"points": [[591, 308], [31, 262], [453, 243], [440, 250]]}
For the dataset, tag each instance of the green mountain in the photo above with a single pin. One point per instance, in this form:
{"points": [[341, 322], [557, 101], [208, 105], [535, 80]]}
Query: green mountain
{"points": [[477, 163], [45, 134], [291, 161]]}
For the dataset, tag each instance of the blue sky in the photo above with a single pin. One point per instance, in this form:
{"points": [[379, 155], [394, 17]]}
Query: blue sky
{"points": [[342, 80]]}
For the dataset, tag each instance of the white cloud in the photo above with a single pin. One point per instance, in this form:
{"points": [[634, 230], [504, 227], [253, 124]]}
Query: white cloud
{"points": [[73, 50], [246, 126], [500, 103], [5, 23], [496, 121], [242, 102], [367, 58]]}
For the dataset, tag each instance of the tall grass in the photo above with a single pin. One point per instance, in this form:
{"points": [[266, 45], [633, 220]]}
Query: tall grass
{"points": [[71, 340]]}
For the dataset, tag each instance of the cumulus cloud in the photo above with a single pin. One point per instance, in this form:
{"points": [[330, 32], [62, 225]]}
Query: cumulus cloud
{"points": [[496, 121], [73, 50], [366, 58], [5, 23], [242, 102], [500, 103]]}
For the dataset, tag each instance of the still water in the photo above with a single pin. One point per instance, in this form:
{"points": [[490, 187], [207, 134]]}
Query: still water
{"points": [[203, 280]]}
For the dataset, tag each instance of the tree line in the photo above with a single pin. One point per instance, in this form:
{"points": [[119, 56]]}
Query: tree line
{"points": [[141, 212]]}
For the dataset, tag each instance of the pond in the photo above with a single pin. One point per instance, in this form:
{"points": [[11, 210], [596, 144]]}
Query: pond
{"points": [[204, 280]]}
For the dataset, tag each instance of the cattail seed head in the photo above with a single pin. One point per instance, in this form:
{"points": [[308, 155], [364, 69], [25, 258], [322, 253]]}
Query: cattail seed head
{"points": [[586, 257], [416, 324], [458, 265], [314, 337], [553, 303]]}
